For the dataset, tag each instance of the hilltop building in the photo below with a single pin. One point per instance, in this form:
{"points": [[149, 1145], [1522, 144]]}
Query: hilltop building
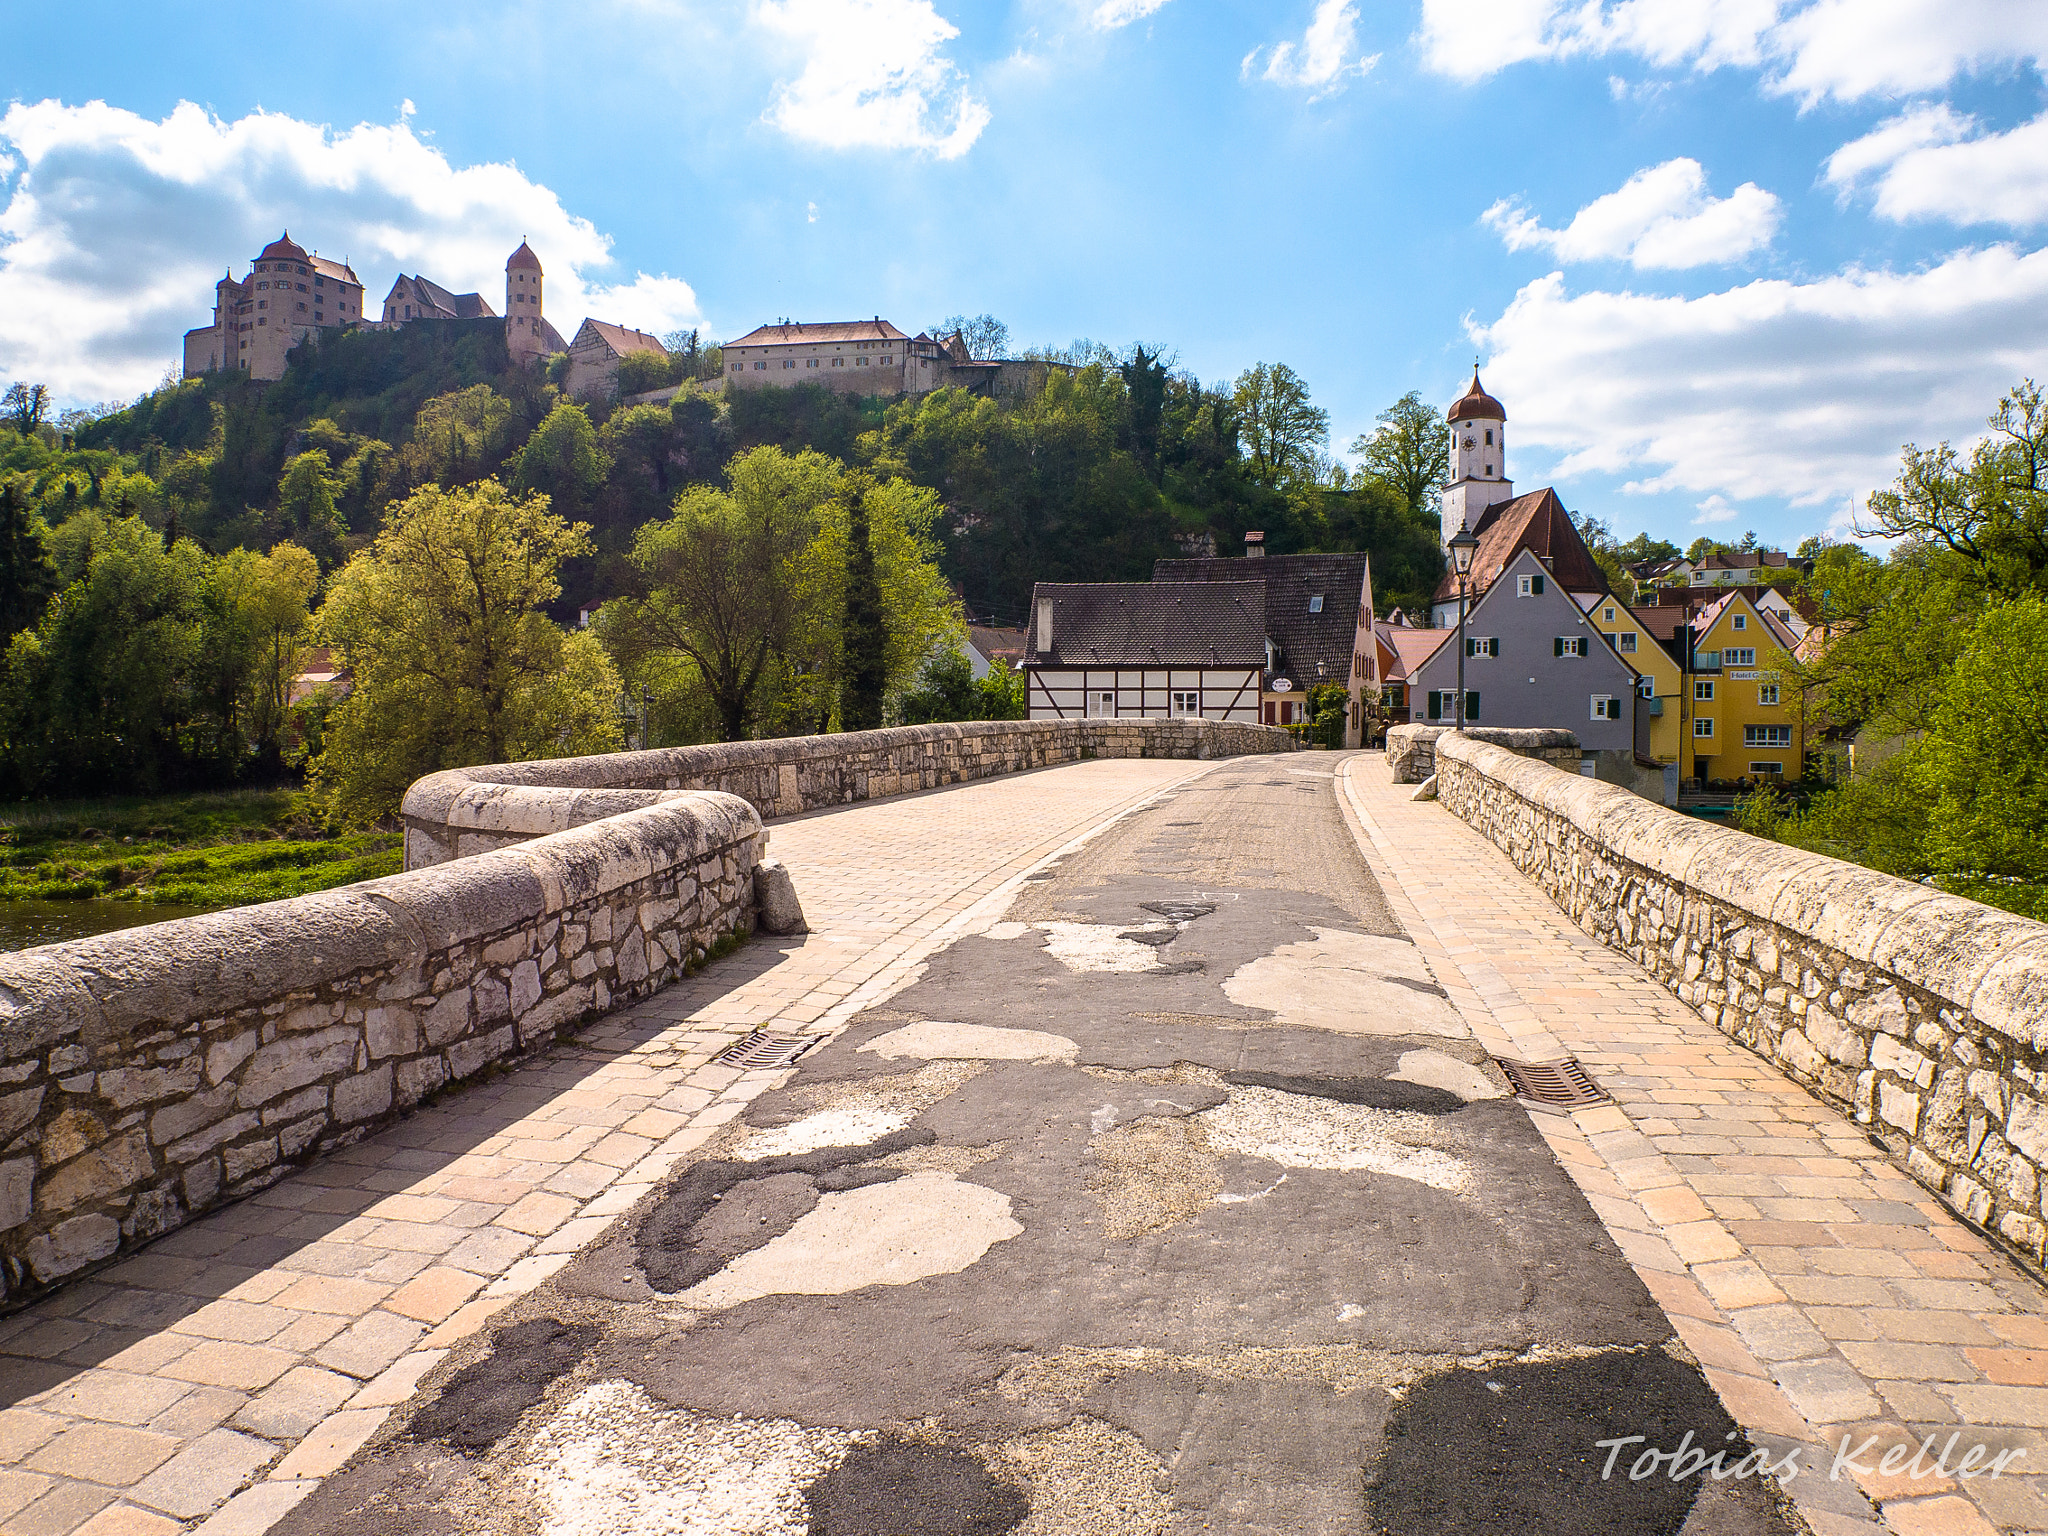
{"points": [[291, 293], [528, 335], [872, 357], [597, 351], [288, 295]]}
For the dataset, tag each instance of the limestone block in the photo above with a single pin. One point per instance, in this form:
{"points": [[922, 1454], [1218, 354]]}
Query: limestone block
{"points": [[249, 1158], [2026, 1127], [1887, 1055], [17, 1180], [107, 1170], [125, 1087], [72, 1245], [631, 965], [1896, 1106], [525, 991], [1426, 790], [1971, 1198], [174, 1122], [775, 900], [1799, 1053], [468, 1056], [2025, 1232], [69, 1134], [493, 1001], [179, 1152], [294, 1139], [305, 1102], [417, 1079], [448, 1018], [391, 1030], [18, 1111], [293, 1062], [1946, 1127], [201, 1183]]}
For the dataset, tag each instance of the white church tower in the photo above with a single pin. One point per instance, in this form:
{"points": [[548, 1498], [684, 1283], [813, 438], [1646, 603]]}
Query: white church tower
{"points": [[1479, 454]]}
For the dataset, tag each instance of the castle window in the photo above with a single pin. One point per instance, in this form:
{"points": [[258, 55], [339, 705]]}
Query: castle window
{"points": [[1489, 469], [1489, 437], [319, 282]]}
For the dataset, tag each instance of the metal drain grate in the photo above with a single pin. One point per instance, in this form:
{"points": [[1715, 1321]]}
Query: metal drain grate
{"points": [[1562, 1084], [762, 1049]]}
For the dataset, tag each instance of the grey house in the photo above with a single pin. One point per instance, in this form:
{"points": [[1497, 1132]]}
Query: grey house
{"points": [[1533, 659]]}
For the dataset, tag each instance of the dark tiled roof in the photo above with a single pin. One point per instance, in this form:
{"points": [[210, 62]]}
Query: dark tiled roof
{"points": [[1306, 640], [1536, 522], [1153, 624], [437, 303]]}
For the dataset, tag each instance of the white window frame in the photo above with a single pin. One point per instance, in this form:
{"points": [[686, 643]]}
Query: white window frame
{"points": [[1767, 693], [1767, 736], [1703, 727], [1625, 642], [1767, 770], [1529, 586], [1185, 704], [1475, 646], [1741, 621], [1571, 645], [1605, 706], [1739, 656], [1703, 690], [1101, 703]]}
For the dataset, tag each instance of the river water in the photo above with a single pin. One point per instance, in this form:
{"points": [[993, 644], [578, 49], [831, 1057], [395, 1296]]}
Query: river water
{"points": [[25, 924]]}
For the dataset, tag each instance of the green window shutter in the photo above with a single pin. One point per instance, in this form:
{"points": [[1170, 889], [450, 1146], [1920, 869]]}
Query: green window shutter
{"points": [[1557, 646], [1472, 704], [1536, 585]]}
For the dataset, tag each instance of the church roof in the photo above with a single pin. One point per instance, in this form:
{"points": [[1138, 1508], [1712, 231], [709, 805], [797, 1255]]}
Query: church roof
{"points": [[523, 257], [1537, 522], [1476, 404], [284, 248]]}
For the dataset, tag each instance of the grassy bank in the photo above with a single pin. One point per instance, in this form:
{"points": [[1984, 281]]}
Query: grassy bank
{"points": [[213, 850]]}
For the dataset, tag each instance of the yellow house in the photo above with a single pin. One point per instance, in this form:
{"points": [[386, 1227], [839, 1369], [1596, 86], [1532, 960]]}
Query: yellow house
{"points": [[1744, 718], [1659, 682]]}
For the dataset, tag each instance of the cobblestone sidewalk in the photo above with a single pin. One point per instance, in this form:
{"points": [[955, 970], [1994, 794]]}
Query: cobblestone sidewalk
{"points": [[1825, 1293], [209, 1382]]}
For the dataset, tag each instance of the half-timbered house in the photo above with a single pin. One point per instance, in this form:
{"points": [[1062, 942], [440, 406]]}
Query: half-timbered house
{"points": [[1136, 650]]}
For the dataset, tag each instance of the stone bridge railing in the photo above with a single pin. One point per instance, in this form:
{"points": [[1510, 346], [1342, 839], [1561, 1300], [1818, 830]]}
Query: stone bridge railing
{"points": [[150, 1074], [1921, 1015], [469, 810]]}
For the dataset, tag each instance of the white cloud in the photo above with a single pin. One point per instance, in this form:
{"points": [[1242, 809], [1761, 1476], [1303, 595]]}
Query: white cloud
{"points": [[1796, 390], [1660, 217], [1716, 509], [873, 77], [116, 228], [1933, 163], [1121, 13], [1326, 55], [1820, 49]]}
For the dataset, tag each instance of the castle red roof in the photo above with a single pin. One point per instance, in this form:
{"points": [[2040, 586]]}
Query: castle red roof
{"points": [[284, 248], [1477, 405], [523, 257]]}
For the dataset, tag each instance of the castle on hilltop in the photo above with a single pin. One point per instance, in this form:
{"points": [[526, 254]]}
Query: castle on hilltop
{"points": [[290, 294]]}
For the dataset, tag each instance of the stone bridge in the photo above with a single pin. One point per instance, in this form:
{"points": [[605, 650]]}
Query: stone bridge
{"points": [[1152, 1170]]}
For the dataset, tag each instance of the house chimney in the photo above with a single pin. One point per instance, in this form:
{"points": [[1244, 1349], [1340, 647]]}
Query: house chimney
{"points": [[1045, 626], [1254, 543]]}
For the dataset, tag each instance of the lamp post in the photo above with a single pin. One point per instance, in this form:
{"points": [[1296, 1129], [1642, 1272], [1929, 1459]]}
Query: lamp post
{"points": [[1462, 545]]}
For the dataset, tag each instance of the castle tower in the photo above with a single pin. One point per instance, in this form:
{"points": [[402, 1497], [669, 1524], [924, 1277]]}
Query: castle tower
{"points": [[1479, 452], [523, 330]]}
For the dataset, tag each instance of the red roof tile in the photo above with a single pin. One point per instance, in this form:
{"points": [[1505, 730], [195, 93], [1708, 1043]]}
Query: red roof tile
{"points": [[1536, 522]]}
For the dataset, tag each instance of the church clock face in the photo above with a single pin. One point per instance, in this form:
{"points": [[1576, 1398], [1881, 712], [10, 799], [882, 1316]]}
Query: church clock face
{"points": [[1468, 442]]}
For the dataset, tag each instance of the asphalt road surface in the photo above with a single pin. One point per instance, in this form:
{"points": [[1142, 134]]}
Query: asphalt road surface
{"points": [[1180, 1200]]}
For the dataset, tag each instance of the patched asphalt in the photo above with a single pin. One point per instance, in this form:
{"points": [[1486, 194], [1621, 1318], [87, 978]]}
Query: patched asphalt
{"points": [[1179, 1200]]}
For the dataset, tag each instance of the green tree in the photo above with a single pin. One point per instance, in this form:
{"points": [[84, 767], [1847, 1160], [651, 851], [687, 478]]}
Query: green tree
{"points": [[1985, 763], [457, 438], [863, 635], [27, 578], [263, 607], [1410, 450], [718, 576], [306, 514], [984, 336], [440, 621], [25, 406], [1282, 429], [562, 460]]}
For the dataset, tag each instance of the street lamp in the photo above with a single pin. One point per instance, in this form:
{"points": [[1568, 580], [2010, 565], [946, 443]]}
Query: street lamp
{"points": [[1463, 543]]}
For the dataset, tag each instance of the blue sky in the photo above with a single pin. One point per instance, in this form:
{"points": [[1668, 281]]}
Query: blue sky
{"points": [[1721, 256]]}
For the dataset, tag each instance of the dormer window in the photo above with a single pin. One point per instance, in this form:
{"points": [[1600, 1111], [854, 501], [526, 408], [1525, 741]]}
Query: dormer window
{"points": [[1315, 604]]}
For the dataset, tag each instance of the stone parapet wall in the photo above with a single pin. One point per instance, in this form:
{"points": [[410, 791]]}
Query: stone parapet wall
{"points": [[1411, 749], [1921, 1015], [470, 810], [150, 1074]]}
